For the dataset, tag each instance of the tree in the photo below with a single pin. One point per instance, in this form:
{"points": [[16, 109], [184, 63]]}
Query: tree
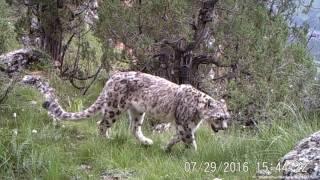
{"points": [[52, 25], [177, 45], [244, 42], [59, 29]]}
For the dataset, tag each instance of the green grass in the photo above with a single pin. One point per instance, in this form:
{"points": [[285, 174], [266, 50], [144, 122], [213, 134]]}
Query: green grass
{"points": [[58, 152]]}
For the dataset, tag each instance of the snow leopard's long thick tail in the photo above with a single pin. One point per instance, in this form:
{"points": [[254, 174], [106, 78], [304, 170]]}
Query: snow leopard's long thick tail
{"points": [[58, 112], [53, 106]]}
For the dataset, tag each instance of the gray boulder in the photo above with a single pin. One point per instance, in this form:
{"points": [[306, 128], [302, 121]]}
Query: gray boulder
{"points": [[303, 162]]}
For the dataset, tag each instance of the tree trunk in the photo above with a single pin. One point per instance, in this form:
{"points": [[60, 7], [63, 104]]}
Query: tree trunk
{"points": [[177, 61], [52, 33]]}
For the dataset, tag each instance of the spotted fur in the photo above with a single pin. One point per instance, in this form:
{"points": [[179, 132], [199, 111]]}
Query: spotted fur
{"points": [[140, 93]]}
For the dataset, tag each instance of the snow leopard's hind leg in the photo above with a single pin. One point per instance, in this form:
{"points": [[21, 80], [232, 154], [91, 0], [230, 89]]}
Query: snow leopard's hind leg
{"points": [[112, 109], [136, 121], [116, 95], [110, 116]]}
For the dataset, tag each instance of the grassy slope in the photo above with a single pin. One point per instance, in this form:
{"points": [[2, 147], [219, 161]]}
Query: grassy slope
{"points": [[58, 153]]}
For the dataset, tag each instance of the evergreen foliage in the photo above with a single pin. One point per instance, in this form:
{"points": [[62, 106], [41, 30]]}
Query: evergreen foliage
{"points": [[265, 68]]}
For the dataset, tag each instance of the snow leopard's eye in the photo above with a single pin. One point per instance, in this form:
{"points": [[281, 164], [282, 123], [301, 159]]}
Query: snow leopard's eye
{"points": [[220, 117]]}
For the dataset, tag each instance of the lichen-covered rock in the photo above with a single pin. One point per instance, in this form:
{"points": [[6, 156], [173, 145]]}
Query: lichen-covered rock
{"points": [[303, 162]]}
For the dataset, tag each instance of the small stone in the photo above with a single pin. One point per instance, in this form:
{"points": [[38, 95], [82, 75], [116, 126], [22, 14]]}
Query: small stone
{"points": [[34, 131], [80, 137], [161, 128], [15, 131], [116, 174], [33, 102], [85, 167], [263, 173]]}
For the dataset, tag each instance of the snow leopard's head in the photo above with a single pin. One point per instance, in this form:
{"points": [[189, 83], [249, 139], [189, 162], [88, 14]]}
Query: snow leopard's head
{"points": [[216, 114]]}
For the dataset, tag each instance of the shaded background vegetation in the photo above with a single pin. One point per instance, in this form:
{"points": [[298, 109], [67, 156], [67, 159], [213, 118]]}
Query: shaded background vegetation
{"points": [[248, 52]]}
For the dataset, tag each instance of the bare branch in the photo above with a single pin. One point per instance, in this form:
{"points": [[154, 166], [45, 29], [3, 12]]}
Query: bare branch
{"points": [[71, 80], [66, 46], [84, 78], [95, 77], [209, 59]]}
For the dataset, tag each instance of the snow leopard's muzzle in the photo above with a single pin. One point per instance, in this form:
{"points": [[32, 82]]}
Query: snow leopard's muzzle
{"points": [[220, 123]]}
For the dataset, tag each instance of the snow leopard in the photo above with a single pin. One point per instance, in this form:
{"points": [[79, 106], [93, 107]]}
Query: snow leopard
{"points": [[138, 94]]}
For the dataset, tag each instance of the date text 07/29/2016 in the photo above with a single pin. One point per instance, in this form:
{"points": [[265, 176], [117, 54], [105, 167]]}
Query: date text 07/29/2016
{"points": [[232, 167]]}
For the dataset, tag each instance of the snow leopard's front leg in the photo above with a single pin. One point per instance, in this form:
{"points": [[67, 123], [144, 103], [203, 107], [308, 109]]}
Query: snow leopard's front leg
{"points": [[136, 121], [189, 139], [174, 140], [184, 133]]}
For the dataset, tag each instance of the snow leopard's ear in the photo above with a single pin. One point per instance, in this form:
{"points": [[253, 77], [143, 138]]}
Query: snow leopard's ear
{"points": [[223, 103]]}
